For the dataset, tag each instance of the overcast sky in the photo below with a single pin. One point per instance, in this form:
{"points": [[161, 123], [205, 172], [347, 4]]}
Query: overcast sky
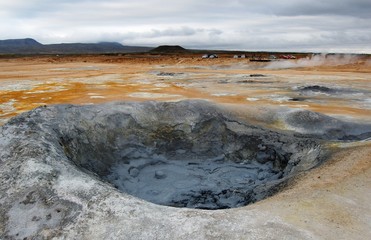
{"points": [[295, 25]]}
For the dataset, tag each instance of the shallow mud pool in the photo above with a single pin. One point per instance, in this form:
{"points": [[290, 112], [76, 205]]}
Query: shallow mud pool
{"points": [[205, 184], [184, 154]]}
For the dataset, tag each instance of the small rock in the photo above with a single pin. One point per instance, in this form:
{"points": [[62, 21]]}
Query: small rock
{"points": [[317, 88], [262, 147], [134, 172], [262, 157], [160, 174], [257, 75], [263, 175]]}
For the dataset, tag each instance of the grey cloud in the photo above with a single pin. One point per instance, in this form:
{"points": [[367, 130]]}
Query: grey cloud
{"points": [[343, 25], [183, 31], [186, 36], [356, 8]]}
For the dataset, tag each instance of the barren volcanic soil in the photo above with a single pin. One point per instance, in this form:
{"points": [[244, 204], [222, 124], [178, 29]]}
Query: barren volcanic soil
{"points": [[329, 202], [344, 89]]}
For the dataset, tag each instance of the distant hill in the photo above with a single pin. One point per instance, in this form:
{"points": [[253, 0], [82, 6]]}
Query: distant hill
{"points": [[20, 45], [31, 46], [169, 49], [27, 42]]}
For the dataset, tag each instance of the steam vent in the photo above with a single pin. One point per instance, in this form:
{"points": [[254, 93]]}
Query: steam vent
{"points": [[127, 169]]}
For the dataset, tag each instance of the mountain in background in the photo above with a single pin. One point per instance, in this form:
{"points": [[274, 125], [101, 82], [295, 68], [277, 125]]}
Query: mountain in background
{"points": [[169, 49], [31, 46], [27, 42]]}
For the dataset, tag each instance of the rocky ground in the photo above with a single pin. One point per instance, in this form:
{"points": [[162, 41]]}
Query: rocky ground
{"points": [[290, 114]]}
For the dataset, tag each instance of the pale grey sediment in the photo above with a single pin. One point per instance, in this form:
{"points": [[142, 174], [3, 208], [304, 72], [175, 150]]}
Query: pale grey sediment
{"points": [[71, 171]]}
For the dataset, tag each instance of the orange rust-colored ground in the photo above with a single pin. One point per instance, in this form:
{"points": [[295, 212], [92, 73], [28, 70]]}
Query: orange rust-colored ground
{"points": [[28, 82]]}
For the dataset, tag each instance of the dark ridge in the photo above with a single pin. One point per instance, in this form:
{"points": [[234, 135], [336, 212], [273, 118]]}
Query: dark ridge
{"points": [[31, 46], [105, 47], [26, 42], [169, 49]]}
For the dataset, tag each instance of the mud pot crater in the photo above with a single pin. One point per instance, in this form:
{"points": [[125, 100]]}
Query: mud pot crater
{"points": [[185, 154]]}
